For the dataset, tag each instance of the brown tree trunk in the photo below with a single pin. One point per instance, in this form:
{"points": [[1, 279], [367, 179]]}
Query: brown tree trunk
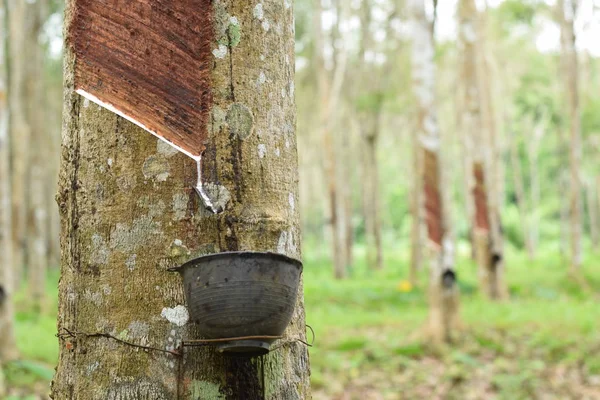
{"points": [[443, 290], [487, 236], [126, 221], [19, 24], [39, 177], [329, 87], [8, 347], [372, 206], [567, 11], [347, 185]]}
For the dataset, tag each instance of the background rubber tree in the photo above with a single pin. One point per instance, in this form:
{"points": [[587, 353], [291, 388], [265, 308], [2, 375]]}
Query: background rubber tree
{"points": [[129, 212], [567, 11], [8, 347], [487, 235], [329, 83], [443, 290]]}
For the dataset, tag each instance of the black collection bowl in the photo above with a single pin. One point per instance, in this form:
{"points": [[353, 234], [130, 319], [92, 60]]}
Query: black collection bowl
{"points": [[241, 295]]}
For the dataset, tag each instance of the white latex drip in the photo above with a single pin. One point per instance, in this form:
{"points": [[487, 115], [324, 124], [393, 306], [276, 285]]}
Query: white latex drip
{"points": [[199, 187]]}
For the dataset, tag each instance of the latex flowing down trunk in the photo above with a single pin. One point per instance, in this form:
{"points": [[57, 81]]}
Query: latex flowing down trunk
{"points": [[443, 290], [567, 11], [8, 347], [487, 237], [39, 177], [19, 23], [129, 212]]}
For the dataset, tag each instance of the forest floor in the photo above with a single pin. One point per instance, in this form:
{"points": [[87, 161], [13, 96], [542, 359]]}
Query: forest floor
{"points": [[542, 344]]}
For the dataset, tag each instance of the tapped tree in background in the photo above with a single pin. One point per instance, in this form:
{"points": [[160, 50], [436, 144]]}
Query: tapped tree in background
{"points": [[129, 211], [443, 290], [567, 10], [487, 235]]}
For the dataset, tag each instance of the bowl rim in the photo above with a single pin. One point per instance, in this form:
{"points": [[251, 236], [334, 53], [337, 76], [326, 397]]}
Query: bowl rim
{"points": [[208, 257]]}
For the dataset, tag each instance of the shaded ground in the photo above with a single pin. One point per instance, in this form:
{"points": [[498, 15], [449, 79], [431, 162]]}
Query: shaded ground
{"points": [[542, 344]]}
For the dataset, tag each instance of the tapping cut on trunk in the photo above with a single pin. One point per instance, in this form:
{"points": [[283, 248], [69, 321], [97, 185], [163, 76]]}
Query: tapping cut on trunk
{"points": [[433, 200], [148, 61], [482, 218]]}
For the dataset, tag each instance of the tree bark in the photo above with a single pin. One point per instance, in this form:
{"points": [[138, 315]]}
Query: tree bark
{"points": [[370, 125], [129, 212], [487, 235], [19, 23], [348, 199], [567, 11], [329, 86], [416, 229], [443, 290], [372, 204], [39, 170], [8, 347]]}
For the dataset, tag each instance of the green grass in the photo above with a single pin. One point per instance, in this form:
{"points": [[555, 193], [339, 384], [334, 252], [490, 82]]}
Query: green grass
{"points": [[366, 326], [545, 341]]}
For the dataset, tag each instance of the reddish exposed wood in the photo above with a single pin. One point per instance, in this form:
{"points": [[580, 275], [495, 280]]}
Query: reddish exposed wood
{"points": [[482, 220], [433, 198], [150, 60]]}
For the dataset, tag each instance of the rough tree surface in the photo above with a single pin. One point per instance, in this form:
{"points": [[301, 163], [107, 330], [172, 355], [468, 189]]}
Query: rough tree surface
{"points": [[129, 212]]}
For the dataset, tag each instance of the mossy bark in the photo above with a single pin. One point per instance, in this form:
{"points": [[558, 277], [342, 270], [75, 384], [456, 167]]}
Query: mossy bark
{"points": [[129, 212]]}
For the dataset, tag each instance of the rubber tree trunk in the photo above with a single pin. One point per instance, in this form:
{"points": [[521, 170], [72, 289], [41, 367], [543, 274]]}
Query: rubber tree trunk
{"points": [[329, 87], [443, 290], [372, 202], [416, 228], [19, 24], [8, 348], [487, 238], [129, 212], [347, 175], [567, 11], [39, 170]]}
